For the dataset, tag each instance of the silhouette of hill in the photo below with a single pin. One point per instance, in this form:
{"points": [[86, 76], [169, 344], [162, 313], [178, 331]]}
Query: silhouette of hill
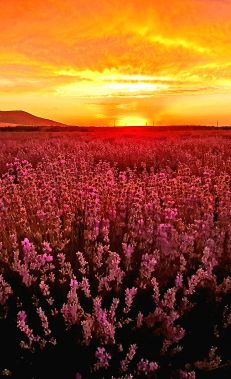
{"points": [[21, 118]]}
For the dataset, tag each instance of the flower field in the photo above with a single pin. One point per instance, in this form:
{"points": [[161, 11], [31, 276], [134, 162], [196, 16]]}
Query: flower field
{"points": [[115, 255]]}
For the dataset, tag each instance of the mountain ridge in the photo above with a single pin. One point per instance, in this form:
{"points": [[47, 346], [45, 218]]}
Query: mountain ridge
{"points": [[22, 118]]}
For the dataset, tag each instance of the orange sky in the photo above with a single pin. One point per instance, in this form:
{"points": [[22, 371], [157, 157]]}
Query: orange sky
{"points": [[101, 62]]}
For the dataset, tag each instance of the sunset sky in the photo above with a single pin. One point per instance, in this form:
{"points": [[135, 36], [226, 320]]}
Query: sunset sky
{"points": [[106, 62]]}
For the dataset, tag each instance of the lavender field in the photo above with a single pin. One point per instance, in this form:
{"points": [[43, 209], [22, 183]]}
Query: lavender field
{"points": [[115, 255]]}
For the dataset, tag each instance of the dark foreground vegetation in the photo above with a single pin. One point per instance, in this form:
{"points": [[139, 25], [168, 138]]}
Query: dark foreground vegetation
{"points": [[115, 252]]}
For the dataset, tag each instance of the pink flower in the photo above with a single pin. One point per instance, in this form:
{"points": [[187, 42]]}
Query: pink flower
{"points": [[129, 297], [26, 245], [46, 248], [128, 250], [146, 367], [179, 281], [5, 290], [21, 316], [73, 283], [103, 358], [129, 357], [48, 258]]}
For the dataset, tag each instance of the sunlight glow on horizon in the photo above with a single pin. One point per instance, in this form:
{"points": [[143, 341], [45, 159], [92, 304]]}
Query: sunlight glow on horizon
{"points": [[132, 121], [86, 62]]}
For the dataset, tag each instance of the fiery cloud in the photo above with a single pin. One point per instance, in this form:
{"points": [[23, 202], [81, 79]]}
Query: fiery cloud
{"points": [[102, 62]]}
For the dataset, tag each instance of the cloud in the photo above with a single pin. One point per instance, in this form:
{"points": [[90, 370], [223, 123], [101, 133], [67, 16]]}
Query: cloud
{"points": [[91, 49]]}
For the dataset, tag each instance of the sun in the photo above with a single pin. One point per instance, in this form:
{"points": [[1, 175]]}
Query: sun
{"points": [[132, 121]]}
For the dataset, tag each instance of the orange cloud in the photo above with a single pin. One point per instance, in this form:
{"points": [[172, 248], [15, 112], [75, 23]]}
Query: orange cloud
{"points": [[63, 59]]}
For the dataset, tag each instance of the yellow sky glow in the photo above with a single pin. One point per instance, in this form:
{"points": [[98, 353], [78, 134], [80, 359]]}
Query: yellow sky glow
{"points": [[86, 62]]}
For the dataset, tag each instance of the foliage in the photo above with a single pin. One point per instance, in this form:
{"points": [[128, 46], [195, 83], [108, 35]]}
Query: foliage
{"points": [[115, 258]]}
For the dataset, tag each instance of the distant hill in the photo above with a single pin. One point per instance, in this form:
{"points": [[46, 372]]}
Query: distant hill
{"points": [[21, 118]]}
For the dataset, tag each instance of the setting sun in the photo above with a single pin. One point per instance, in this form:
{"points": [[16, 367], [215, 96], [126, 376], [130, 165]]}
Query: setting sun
{"points": [[132, 121]]}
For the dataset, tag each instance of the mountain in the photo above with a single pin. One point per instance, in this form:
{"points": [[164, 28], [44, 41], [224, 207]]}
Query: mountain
{"points": [[21, 118]]}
